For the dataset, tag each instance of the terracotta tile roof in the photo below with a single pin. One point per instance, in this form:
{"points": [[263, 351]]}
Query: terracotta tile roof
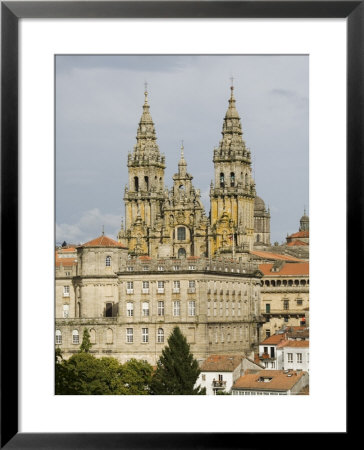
{"points": [[193, 257], [294, 344], [221, 363], [296, 243], [145, 258], [66, 262], [300, 234], [66, 249], [279, 380], [103, 241], [274, 256], [299, 268], [274, 339]]}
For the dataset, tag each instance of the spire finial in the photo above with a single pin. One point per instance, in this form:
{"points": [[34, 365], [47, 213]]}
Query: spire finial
{"points": [[182, 149], [103, 231]]}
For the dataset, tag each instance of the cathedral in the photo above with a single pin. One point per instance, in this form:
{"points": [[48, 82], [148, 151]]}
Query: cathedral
{"points": [[172, 263], [173, 223]]}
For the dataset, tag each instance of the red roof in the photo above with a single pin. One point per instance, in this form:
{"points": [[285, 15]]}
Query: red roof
{"points": [[274, 339], [103, 241], [274, 256], [299, 268], [221, 363], [278, 380], [296, 243], [300, 234], [294, 343]]}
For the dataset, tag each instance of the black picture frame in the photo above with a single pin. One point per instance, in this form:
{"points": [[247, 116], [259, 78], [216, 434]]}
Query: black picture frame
{"points": [[11, 12]]}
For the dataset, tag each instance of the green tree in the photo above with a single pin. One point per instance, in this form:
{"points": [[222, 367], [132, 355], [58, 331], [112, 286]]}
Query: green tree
{"points": [[83, 374], [136, 376], [86, 342], [177, 370]]}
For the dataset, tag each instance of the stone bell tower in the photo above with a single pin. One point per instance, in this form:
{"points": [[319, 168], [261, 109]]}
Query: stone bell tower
{"points": [[145, 192], [233, 192]]}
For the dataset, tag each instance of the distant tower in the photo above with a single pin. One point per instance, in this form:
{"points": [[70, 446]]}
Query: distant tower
{"points": [[145, 193], [304, 222], [261, 223], [233, 193]]}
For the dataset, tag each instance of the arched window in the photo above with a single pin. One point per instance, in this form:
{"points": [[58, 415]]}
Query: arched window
{"points": [[246, 179], [108, 310], [109, 336], [136, 184], [108, 261], [181, 253], [160, 337], [75, 337], [146, 180], [58, 337], [78, 309], [232, 179], [92, 336], [181, 233], [222, 180]]}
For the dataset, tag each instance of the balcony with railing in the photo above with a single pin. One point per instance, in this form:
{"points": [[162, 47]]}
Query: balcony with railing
{"points": [[219, 384]]}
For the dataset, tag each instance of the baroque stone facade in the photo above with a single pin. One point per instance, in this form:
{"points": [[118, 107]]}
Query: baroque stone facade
{"points": [[171, 264]]}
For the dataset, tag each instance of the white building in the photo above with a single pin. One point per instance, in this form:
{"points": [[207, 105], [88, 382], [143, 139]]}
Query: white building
{"points": [[293, 354], [219, 372]]}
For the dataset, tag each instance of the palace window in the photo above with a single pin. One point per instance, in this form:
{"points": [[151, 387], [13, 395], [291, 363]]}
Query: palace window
{"points": [[129, 335], [130, 309], [177, 308], [58, 337], [192, 286], [108, 310], [290, 357], [75, 337], [160, 308], [160, 336], [267, 308], [176, 286], [129, 287], [160, 288], [145, 288], [285, 304], [108, 261], [192, 308], [66, 311], [299, 302], [181, 233], [181, 253], [299, 358], [160, 268], [145, 309], [66, 291], [145, 335]]}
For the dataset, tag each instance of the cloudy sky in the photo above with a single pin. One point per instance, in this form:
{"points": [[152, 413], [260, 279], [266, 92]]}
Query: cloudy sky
{"points": [[99, 103]]}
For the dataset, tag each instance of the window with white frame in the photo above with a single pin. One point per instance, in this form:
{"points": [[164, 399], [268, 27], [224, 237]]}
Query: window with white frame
{"points": [[160, 268], [66, 291], [160, 288], [129, 287], [176, 267], [58, 337], [273, 365], [160, 308], [290, 357], [145, 288], [176, 286], [192, 308], [129, 335], [108, 261], [75, 337], [66, 311], [177, 308], [160, 336], [192, 286], [299, 358], [145, 309], [145, 335], [191, 267], [130, 269], [130, 309]]}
